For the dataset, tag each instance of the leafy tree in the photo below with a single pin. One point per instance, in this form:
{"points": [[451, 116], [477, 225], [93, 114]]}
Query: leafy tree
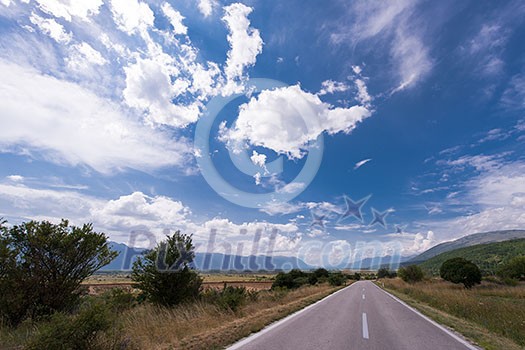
{"points": [[514, 269], [164, 274], [385, 273], [411, 274], [357, 276], [336, 279], [320, 272], [43, 264], [459, 270]]}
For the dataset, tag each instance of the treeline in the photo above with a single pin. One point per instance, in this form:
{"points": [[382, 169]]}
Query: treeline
{"points": [[462, 271]]}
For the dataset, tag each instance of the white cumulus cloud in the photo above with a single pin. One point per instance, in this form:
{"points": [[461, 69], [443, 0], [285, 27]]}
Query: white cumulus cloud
{"points": [[175, 18], [286, 119], [67, 9], [245, 41], [132, 16], [52, 28]]}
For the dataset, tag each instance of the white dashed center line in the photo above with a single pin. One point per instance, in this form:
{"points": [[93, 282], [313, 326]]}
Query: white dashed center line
{"points": [[365, 327]]}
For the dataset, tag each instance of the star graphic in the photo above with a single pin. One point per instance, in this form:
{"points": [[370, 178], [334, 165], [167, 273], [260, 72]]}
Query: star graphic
{"points": [[400, 229], [354, 208], [318, 220], [379, 217]]}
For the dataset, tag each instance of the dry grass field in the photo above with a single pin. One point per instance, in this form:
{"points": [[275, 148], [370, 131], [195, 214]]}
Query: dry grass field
{"points": [[492, 315], [205, 326]]}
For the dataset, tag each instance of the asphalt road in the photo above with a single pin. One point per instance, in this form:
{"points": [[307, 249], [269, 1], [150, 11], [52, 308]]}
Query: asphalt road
{"points": [[361, 316]]}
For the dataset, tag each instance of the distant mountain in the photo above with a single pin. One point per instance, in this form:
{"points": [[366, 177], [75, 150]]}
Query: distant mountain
{"points": [[487, 256], [223, 262], [467, 241], [208, 262], [125, 259], [391, 262]]}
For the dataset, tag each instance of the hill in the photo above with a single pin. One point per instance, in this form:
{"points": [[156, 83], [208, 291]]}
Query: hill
{"points": [[487, 256], [211, 262], [467, 241]]}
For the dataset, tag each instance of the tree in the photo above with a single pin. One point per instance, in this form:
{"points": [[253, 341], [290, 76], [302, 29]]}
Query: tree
{"points": [[384, 272], [514, 269], [336, 279], [459, 270], [165, 275], [411, 274], [43, 264]]}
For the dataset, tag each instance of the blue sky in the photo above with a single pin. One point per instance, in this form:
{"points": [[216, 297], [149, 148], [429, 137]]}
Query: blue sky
{"points": [[128, 113]]}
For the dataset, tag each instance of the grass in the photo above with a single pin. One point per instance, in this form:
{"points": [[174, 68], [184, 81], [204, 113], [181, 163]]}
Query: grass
{"points": [[235, 277], [490, 314], [197, 325], [205, 326]]}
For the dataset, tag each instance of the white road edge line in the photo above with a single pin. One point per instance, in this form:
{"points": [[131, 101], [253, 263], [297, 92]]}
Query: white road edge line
{"points": [[444, 329], [365, 327], [276, 324]]}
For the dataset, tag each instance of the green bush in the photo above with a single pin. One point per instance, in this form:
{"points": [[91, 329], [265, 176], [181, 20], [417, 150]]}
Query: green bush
{"points": [[411, 274], [118, 299], [90, 329], [459, 270], [514, 269], [164, 274], [386, 273], [43, 264], [290, 280], [336, 279]]}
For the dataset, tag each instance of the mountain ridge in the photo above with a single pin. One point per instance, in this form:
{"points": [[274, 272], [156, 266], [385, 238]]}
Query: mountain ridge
{"points": [[467, 241]]}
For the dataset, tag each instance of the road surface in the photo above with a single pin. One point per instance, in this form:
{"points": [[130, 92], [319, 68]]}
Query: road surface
{"points": [[361, 316]]}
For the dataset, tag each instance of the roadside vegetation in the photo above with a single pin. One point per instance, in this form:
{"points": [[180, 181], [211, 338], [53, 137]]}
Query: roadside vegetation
{"points": [[490, 312], [489, 257], [43, 304]]}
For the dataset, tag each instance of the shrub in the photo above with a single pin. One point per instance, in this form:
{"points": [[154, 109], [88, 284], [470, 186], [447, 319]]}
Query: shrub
{"points": [[164, 274], [291, 280], [336, 279], [229, 298], [411, 274], [82, 331], [312, 279], [459, 270], [43, 264], [514, 269], [319, 273], [386, 273]]}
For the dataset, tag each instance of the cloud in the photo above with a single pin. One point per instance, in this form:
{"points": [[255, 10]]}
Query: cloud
{"points": [[68, 9], [245, 41], [330, 87], [286, 119], [494, 195], [362, 93], [361, 163], [206, 7], [67, 124], [52, 28], [175, 18], [258, 159], [149, 88], [82, 57], [15, 178], [393, 23], [138, 211], [132, 16], [513, 98]]}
